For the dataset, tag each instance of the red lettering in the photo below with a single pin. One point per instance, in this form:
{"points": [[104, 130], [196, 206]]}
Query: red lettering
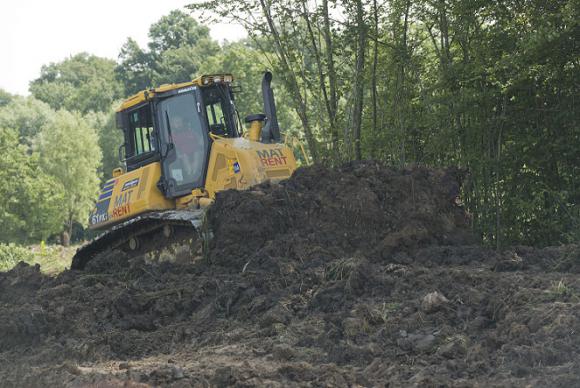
{"points": [[121, 211], [274, 161]]}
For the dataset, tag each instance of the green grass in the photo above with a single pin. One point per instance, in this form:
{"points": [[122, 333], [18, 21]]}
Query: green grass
{"points": [[560, 288], [51, 258]]}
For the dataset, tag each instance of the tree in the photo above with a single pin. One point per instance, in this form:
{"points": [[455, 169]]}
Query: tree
{"points": [[272, 25], [182, 63], [176, 30], [26, 115], [5, 97], [110, 139], [81, 83], [178, 46], [247, 65], [135, 68], [358, 92], [32, 202], [70, 153]]}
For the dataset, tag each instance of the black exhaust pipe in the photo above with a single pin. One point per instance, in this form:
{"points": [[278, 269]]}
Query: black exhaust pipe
{"points": [[271, 130]]}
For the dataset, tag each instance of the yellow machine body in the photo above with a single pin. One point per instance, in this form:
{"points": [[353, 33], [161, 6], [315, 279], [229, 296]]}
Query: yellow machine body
{"points": [[236, 163]]}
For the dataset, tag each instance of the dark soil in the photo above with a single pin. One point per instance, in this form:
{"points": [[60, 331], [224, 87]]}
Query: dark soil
{"points": [[359, 276]]}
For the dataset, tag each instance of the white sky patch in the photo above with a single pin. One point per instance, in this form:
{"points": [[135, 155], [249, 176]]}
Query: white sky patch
{"points": [[36, 32]]}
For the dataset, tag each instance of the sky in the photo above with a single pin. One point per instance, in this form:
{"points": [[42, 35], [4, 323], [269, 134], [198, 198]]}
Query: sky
{"points": [[36, 32]]}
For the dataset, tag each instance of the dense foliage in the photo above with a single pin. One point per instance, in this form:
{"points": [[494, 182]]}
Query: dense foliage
{"points": [[69, 153], [81, 83], [489, 86], [32, 199]]}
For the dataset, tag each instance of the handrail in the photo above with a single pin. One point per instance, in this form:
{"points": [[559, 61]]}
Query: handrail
{"points": [[291, 141]]}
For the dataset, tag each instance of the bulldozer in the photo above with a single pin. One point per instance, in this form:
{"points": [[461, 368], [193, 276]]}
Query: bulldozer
{"points": [[183, 143]]}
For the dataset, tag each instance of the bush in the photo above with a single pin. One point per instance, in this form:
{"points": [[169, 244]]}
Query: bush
{"points": [[11, 254]]}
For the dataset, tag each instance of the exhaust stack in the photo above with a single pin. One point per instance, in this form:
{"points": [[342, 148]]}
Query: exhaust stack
{"points": [[271, 130]]}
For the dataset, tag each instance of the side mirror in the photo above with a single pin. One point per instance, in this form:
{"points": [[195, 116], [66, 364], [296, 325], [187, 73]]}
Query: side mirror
{"points": [[121, 153]]}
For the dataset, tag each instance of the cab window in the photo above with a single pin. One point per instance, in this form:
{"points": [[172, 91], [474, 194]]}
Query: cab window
{"points": [[141, 136], [214, 113], [219, 111]]}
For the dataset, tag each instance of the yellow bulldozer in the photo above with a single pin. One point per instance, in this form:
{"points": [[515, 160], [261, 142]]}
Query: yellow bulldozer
{"points": [[183, 143]]}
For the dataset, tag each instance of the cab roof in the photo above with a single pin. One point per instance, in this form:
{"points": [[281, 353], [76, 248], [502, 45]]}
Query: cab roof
{"points": [[201, 81]]}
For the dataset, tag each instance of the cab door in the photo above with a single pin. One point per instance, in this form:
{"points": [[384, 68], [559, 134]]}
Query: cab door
{"points": [[185, 141]]}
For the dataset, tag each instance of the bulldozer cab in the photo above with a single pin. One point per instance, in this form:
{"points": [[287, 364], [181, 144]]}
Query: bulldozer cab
{"points": [[173, 127]]}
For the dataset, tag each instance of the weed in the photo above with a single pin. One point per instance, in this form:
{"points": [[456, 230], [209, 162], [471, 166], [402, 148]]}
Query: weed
{"points": [[381, 313], [560, 288], [339, 269]]}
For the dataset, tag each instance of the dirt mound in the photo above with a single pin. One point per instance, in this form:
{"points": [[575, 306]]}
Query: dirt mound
{"points": [[362, 275], [361, 208]]}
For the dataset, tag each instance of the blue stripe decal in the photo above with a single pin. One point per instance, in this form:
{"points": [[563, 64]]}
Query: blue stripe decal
{"points": [[110, 183], [105, 195]]}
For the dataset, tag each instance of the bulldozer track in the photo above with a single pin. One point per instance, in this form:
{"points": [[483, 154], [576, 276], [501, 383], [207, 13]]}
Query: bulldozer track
{"points": [[149, 234]]}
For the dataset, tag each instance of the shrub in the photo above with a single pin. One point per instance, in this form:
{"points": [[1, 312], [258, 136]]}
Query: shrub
{"points": [[11, 254]]}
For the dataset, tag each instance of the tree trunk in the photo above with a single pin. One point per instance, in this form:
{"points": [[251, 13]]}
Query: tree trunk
{"points": [[65, 238], [322, 83], [375, 62], [292, 82], [401, 102], [359, 80], [67, 234], [333, 100]]}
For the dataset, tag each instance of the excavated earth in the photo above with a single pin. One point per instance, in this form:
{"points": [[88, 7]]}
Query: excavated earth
{"points": [[358, 276]]}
